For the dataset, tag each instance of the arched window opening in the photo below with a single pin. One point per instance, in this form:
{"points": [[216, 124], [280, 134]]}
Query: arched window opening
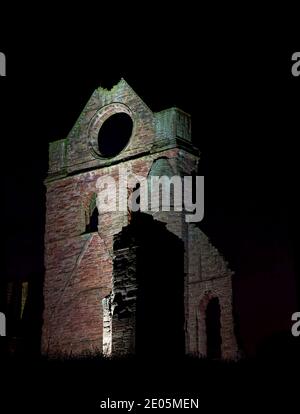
{"points": [[92, 217], [213, 329], [134, 201]]}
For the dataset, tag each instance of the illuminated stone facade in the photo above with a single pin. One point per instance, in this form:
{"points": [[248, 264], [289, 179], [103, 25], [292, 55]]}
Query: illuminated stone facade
{"points": [[139, 282]]}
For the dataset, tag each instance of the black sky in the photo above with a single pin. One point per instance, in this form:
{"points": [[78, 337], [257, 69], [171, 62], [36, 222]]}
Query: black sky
{"points": [[244, 104]]}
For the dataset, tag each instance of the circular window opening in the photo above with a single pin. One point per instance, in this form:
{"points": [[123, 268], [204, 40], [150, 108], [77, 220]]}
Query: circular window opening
{"points": [[114, 134]]}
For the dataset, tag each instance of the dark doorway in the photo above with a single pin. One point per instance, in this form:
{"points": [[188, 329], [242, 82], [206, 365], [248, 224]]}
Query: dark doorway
{"points": [[213, 329], [159, 273]]}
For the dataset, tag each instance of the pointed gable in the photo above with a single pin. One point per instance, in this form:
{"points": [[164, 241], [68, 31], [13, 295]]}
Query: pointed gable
{"points": [[80, 151]]}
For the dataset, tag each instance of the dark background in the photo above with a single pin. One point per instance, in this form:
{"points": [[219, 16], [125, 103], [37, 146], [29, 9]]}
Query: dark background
{"points": [[236, 82]]}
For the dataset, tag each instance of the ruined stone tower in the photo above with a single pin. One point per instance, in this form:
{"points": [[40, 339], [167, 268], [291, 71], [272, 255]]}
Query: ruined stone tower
{"points": [[118, 282]]}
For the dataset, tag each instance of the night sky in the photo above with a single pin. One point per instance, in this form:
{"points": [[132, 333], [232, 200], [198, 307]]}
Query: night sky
{"points": [[244, 102]]}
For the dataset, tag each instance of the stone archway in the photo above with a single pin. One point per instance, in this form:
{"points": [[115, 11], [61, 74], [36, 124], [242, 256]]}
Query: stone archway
{"points": [[224, 328], [213, 329], [209, 320]]}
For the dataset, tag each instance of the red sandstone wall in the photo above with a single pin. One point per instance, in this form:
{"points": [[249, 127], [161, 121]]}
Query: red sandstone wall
{"points": [[79, 266]]}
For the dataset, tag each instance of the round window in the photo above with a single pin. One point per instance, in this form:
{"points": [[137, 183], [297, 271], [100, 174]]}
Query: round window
{"points": [[114, 134]]}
